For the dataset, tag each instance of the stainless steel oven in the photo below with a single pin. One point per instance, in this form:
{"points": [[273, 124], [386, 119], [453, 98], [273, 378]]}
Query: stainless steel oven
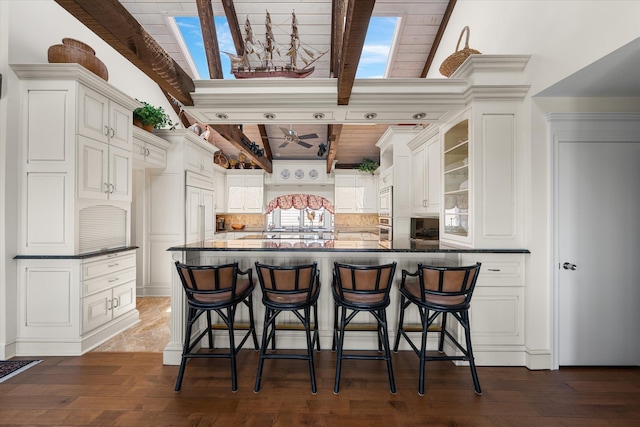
{"points": [[385, 231]]}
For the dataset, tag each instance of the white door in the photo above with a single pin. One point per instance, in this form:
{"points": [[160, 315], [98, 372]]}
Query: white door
{"points": [[598, 237]]}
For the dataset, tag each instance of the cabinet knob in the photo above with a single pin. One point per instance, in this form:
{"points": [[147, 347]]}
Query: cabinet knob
{"points": [[112, 133], [106, 188], [109, 304], [106, 130]]}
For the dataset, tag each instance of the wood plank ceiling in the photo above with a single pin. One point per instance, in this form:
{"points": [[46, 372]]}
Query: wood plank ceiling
{"points": [[145, 33]]}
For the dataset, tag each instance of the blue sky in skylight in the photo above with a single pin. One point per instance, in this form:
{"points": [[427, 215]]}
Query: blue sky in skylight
{"points": [[373, 61]]}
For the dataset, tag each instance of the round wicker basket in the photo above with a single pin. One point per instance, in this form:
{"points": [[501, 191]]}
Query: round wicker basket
{"points": [[453, 61], [75, 51]]}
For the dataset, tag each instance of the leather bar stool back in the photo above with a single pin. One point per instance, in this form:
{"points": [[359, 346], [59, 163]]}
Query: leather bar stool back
{"points": [[357, 289], [438, 292], [219, 289]]}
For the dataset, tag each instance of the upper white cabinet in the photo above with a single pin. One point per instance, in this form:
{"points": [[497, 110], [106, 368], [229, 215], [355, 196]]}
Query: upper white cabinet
{"points": [[104, 171], [149, 151], [76, 161], [425, 172], [245, 191], [198, 159], [482, 184], [355, 192], [220, 185], [104, 120]]}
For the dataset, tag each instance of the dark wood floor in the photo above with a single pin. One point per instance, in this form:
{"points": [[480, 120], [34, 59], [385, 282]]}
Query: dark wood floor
{"points": [[135, 389]]}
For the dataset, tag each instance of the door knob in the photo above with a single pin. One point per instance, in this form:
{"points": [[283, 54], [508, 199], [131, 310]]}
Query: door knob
{"points": [[569, 266]]}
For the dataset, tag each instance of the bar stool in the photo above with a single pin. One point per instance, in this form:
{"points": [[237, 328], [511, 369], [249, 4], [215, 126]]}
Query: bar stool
{"points": [[441, 291], [219, 289], [292, 289], [357, 289]]}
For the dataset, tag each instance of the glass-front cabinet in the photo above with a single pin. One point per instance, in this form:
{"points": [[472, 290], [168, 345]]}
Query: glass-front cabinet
{"points": [[456, 181]]}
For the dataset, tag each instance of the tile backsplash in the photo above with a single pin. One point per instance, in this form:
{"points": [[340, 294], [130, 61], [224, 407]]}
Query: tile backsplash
{"points": [[355, 220], [341, 221]]}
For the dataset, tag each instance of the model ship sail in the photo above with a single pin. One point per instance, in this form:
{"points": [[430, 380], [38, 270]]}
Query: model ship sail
{"points": [[264, 59]]}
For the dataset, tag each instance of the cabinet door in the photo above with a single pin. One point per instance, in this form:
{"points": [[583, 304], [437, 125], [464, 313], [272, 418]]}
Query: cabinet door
{"points": [[345, 188], [93, 115], [433, 176], [366, 194], [253, 194], [194, 215], [139, 151], [120, 174], [207, 201], [155, 156], [206, 160], [120, 126], [93, 161], [97, 310], [192, 158], [221, 196], [419, 180], [124, 298], [235, 192]]}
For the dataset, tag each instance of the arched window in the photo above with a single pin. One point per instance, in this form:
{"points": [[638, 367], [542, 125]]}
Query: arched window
{"points": [[300, 211]]}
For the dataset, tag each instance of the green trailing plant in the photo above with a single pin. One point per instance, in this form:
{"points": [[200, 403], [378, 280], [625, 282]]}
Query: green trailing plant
{"points": [[150, 115], [368, 165]]}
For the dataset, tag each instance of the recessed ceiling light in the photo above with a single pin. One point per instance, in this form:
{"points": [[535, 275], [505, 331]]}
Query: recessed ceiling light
{"points": [[419, 116], [318, 116], [269, 116], [370, 116], [222, 116]]}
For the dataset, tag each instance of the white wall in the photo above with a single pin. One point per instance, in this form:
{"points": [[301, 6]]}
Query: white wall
{"points": [[27, 29], [562, 37]]}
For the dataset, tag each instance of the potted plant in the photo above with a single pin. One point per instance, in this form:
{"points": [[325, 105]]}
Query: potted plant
{"points": [[149, 117], [368, 165]]}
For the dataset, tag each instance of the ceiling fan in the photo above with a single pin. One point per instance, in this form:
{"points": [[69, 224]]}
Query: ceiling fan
{"points": [[291, 135]]}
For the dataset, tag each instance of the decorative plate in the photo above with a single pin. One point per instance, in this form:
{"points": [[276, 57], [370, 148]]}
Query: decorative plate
{"points": [[313, 174], [299, 174], [285, 174]]}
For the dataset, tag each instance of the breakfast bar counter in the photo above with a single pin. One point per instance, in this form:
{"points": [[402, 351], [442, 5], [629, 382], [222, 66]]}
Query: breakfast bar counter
{"points": [[497, 310]]}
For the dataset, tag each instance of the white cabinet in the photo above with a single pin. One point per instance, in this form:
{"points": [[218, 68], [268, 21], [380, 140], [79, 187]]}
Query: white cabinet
{"points": [[101, 119], [482, 183], [149, 151], [356, 192], [497, 308], [245, 191], [198, 159], [425, 173], [220, 185], [69, 305], [180, 210], [104, 171], [76, 162], [200, 214]]}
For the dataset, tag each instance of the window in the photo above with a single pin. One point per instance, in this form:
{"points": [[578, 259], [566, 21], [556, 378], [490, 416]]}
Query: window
{"points": [[300, 218]]}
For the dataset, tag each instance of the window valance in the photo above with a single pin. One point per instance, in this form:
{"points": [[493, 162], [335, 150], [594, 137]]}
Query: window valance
{"points": [[300, 201]]}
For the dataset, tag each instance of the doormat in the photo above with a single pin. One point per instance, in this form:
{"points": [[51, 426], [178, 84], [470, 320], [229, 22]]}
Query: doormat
{"points": [[10, 368]]}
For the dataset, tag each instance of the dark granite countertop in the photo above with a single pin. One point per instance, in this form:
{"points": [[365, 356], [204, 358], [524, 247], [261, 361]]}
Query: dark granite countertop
{"points": [[79, 256], [322, 245]]}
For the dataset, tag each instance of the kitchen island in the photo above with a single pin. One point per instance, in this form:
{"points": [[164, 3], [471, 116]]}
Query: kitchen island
{"points": [[497, 310]]}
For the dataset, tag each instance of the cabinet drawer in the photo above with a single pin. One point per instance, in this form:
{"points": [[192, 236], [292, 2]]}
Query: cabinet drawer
{"points": [[498, 270], [109, 264], [106, 281]]}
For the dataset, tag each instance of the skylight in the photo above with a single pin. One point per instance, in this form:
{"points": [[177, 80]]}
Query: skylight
{"points": [[373, 62]]}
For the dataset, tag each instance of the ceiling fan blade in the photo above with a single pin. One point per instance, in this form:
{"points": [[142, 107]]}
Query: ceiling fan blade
{"points": [[284, 144], [285, 130], [308, 136], [304, 144]]}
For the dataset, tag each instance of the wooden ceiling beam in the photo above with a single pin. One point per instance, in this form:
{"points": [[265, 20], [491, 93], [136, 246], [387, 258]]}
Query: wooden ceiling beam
{"points": [[337, 33], [265, 142], [209, 38], [234, 26], [357, 22], [436, 41], [334, 138], [115, 25], [234, 135]]}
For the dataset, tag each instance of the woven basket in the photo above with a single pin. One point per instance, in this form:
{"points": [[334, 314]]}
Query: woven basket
{"points": [[75, 51], [456, 59]]}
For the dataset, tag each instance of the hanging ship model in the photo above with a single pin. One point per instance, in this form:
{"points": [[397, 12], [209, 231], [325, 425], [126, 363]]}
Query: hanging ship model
{"points": [[261, 59]]}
